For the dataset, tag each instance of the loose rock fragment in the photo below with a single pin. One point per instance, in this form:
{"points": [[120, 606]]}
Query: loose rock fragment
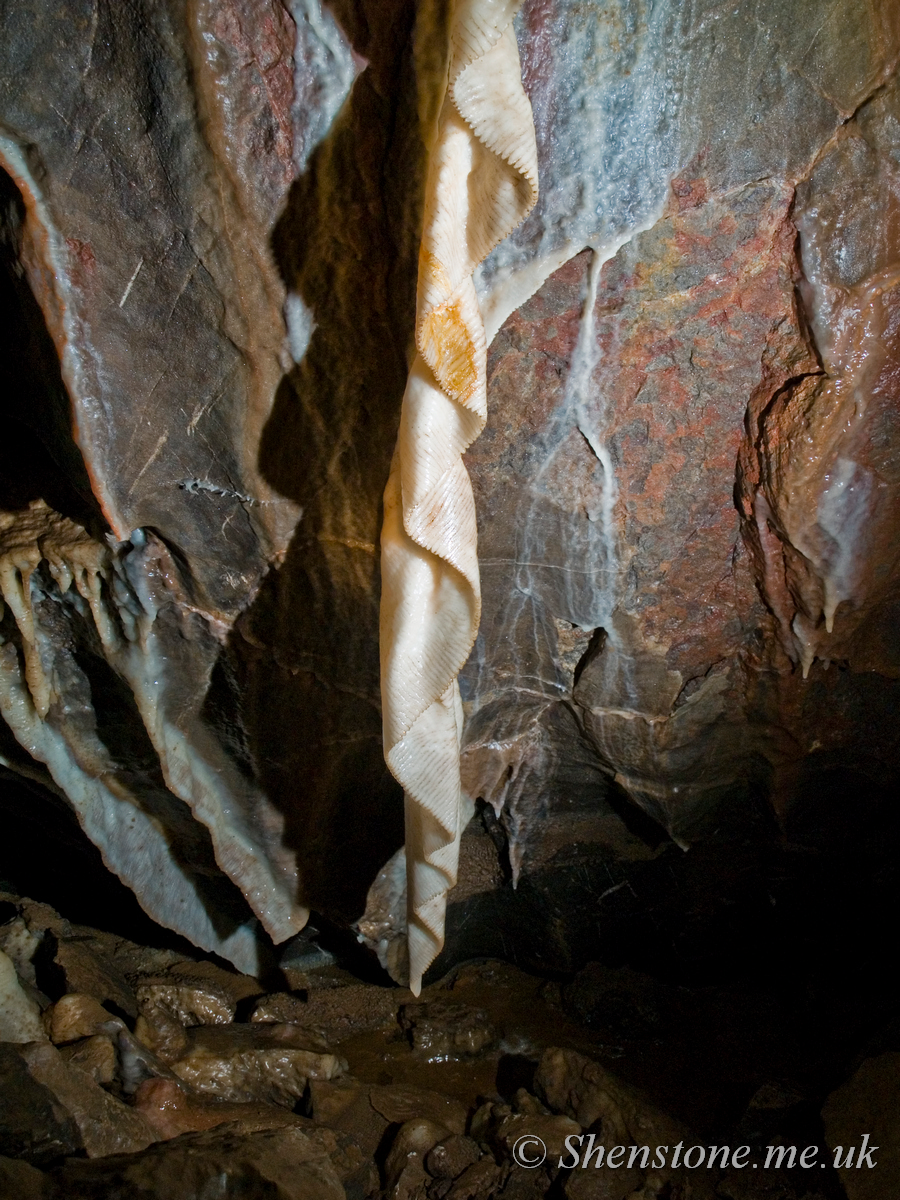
{"points": [[34, 1125], [20, 1017], [189, 1003], [225, 1164], [442, 1029], [255, 1062], [551, 1131], [451, 1156], [74, 1016], [160, 1032], [412, 1142], [502, 1126], [188, 995], [106, 1125], [172, 1109]]}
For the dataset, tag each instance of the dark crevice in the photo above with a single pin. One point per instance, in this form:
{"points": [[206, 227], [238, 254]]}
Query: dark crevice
{"points": [[39, 459], [498, 835], [594, 649], [45, 855]]}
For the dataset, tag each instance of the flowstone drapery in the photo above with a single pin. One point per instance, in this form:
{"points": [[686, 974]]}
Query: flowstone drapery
{"points": [[482, 181]]}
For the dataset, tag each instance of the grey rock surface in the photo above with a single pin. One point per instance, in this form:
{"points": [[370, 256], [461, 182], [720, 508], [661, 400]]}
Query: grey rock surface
{"points": [[687, 490]]}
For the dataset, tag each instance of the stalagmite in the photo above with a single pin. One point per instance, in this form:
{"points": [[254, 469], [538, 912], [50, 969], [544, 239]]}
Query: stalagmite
{"points": [[482, 181]]}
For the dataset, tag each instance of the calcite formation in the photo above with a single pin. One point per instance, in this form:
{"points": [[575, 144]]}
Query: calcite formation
{"points": [[686, 490], [482, 181]]}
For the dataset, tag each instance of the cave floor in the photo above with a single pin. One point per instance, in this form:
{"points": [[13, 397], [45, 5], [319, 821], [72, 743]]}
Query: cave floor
{"points": [[745, 1061]]}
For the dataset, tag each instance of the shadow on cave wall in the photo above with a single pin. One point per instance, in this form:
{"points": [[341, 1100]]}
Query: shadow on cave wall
{"points": [[38, 455], [44, 853], [304, 657]]}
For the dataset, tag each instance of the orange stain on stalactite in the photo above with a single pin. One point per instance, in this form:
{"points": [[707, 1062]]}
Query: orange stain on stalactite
{"points": [[447, 347], [431, 270]]}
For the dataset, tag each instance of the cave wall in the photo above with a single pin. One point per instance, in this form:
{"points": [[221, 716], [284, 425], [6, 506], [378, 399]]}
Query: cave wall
{"points": [[687, 489]]}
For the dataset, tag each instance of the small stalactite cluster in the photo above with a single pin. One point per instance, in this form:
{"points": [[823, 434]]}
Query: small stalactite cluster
{"points": [[60, 586]]}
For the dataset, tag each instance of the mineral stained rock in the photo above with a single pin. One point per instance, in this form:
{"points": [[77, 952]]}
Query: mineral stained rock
{"points": [[74, 1016], [687, 490]]}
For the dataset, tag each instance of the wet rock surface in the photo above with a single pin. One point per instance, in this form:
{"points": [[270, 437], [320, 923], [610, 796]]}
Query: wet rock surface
{"points": [[686, 489], [274, 1162], [681, 729], [391, 1122], [255, 1062], [446, 1030]]}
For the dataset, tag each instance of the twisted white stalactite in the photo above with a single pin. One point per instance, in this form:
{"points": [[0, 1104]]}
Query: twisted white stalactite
{"points": [[482, 181]]}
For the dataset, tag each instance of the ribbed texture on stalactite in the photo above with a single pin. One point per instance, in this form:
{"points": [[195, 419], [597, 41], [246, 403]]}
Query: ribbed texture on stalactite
{"points": [[482, 181]]}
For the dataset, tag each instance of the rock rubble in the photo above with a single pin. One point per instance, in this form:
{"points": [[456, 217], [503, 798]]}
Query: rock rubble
{"points": [[431, 1100]]}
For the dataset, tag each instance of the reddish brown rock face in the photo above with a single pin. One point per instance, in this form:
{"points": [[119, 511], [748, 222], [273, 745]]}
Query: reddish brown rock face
{"points": [[687, 490], [681, 483], [661, 605], [689, 321]]}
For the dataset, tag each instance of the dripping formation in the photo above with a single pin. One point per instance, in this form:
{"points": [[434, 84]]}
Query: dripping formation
{"points": [[90, 627], [481, 183], [119, 601]]}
